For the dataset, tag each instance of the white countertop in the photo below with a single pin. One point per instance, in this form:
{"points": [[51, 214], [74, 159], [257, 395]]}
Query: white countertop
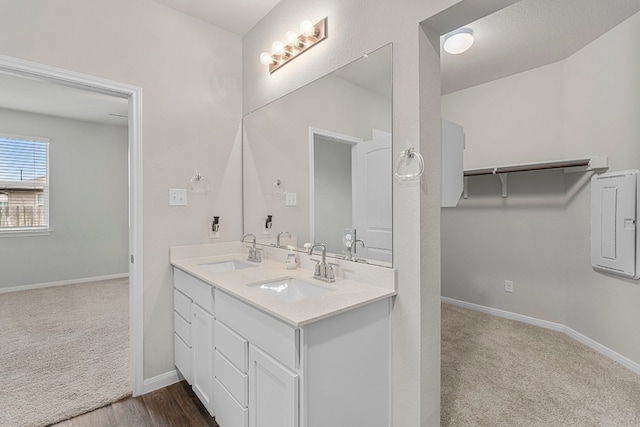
{"points": [[346, 294]]}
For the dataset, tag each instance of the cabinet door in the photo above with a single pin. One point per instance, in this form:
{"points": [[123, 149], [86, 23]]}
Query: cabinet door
{"points": [[273, 392], [202, 351]]}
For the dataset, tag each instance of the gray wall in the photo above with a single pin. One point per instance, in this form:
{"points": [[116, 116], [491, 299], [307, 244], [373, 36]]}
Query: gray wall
{"points": [[276, 146], [601, 113], [89, 203], [586, 105]]}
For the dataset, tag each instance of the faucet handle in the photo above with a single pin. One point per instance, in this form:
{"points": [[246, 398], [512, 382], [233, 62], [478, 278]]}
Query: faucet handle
{"points": [[258, 254], [330, 273], [316, 270]]}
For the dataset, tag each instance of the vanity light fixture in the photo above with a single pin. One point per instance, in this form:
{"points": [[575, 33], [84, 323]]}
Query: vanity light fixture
{"points": [[458, 41], [281, 53]]}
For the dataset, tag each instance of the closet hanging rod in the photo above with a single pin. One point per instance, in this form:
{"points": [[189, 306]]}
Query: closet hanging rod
{"points": [[526, 167], [571, 165]]}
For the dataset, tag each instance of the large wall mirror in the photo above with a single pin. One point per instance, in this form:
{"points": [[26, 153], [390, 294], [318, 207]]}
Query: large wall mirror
{"points": [[317, 163]]}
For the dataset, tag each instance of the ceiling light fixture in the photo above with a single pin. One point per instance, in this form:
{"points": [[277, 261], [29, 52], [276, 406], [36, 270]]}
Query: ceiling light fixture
{"points": [[458, 41], [281, 53]]}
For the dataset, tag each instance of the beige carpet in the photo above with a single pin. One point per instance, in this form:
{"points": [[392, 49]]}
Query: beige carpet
{"points": [[498, 372], [63, 351]]}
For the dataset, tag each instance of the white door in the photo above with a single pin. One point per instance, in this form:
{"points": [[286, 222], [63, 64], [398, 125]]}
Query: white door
{"points": [[273, 392], [202, 350], [452, 163], [372, 198]]}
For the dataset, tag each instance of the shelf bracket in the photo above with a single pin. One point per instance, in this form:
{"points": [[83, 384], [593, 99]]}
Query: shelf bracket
{"points": [[503, 181], [465, 187]]}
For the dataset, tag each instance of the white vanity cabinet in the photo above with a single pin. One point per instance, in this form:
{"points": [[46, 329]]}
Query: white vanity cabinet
{"points": [[193, 334], [332, 372]]}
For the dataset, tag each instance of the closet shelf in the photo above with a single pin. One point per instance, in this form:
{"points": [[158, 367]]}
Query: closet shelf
{"points": [[569, 166]]}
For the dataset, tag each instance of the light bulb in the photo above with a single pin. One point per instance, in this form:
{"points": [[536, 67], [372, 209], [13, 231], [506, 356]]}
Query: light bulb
{"points": [[265, 58], [458, 41], [307, 29], [291, 37], [277, 48]]}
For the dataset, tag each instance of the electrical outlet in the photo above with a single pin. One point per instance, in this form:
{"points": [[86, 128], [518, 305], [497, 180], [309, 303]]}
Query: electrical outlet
{"points": [[508, 286], [213, 234], [177, 197]]}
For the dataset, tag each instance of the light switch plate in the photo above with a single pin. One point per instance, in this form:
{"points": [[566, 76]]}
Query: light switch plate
{"points": [[177, 197], [290, 199]]}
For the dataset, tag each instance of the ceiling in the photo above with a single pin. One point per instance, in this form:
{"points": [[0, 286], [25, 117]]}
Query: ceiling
{"points": [[525, 35], [44, 97], [236, 16], [529, 34]]}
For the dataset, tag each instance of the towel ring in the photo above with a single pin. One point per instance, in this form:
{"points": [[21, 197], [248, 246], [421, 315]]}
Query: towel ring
{"points": [[404, 158]]}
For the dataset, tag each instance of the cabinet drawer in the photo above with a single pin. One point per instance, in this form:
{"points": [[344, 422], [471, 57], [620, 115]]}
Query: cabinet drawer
{"points": [[197, 290], [228, 411], [182, 328], [280, 340], [233, 346], [233, 380], [182, 305], [182, 354]]}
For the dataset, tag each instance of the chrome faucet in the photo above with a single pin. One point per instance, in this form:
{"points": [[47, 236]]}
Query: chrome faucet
{"points": [[254, 254], [322, 271], [352, 248], [280, 234]]}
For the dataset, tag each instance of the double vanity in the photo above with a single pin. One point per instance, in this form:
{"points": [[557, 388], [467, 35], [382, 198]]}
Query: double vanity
{"points": [[265, 346]]}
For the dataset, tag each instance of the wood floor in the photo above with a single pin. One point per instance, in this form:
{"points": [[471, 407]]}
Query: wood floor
{"points": [[175, 405]]}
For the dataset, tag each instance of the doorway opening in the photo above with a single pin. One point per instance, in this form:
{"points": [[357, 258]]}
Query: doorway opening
{"points": [[351, 173], [43, 73]]}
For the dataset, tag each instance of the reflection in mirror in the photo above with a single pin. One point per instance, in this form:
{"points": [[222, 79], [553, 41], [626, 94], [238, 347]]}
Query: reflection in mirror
{"points": [[318, 161]]}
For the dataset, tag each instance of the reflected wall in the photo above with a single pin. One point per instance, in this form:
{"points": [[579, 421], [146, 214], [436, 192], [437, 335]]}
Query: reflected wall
{"points": [[353, 102]]}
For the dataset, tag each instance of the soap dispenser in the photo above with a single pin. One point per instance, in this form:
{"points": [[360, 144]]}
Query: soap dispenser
{"points": [[290, 262]]}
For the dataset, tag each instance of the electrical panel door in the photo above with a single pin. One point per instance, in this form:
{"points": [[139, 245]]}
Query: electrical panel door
{"points": [[614, 234]]}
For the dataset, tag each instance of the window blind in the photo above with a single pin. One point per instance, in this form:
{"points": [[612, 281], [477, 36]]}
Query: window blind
{"points": [[24, 183]]}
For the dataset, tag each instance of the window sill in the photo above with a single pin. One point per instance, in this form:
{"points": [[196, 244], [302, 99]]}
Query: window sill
{"points": [[26, 232]]}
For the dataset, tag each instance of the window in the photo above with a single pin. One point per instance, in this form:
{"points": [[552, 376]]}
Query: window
{"points": [[24, 184]]}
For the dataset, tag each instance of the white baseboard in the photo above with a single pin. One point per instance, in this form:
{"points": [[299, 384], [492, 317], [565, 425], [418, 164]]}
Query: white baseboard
{"points": [[63, 282], [583, 339], [161, 381]]}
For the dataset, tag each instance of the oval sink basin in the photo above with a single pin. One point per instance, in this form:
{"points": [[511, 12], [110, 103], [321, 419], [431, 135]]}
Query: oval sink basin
{"points": [[290, 289], [221, 267]]}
